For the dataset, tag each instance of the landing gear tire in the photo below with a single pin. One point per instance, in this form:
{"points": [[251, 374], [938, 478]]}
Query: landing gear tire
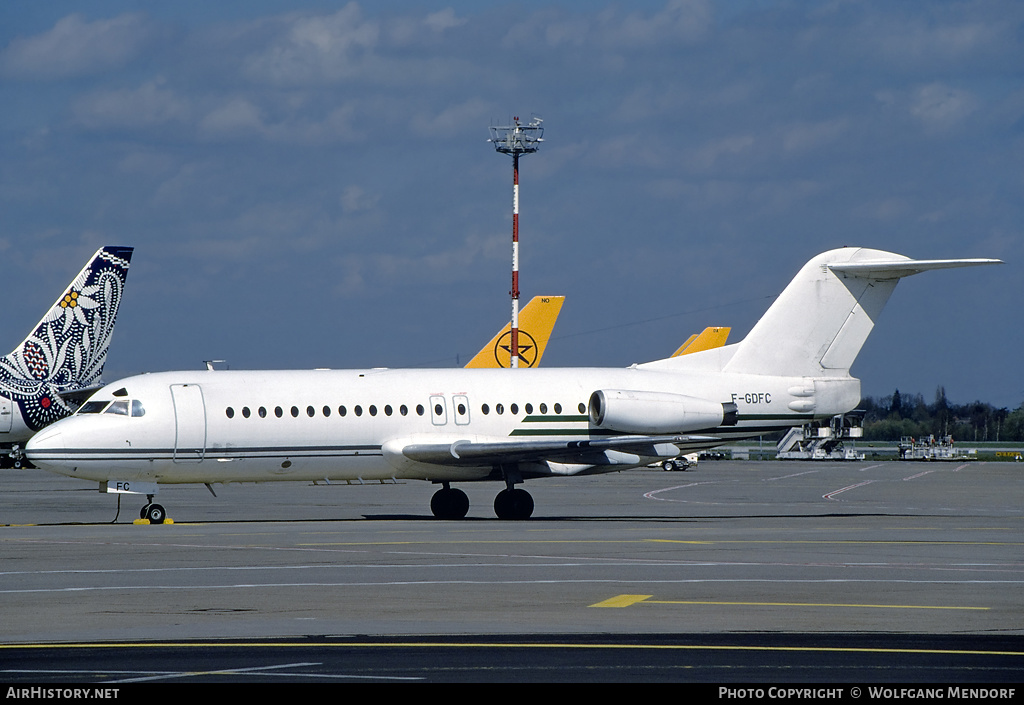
{"points": [[513, 504], [448, 503], [154, 512]]}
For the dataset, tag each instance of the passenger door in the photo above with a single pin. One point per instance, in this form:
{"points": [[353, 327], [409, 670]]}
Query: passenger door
{"points": [[189, 423], [6, 414]]}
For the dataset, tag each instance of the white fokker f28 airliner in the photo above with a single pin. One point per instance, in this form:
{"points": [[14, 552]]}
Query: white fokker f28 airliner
{"points": [[508, 425]]}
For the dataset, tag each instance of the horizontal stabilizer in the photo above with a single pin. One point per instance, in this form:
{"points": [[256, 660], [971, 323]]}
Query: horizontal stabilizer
{"points": [[899, 268], [819, 323], [79, 395]]}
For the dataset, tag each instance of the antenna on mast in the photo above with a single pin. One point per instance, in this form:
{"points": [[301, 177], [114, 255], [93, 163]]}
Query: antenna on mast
{"points": [[515, 140]]}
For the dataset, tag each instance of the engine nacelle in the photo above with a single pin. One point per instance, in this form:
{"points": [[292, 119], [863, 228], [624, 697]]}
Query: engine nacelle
{"points": [[651, 413]]}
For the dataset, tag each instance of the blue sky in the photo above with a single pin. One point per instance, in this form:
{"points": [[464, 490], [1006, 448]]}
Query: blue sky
{"points": [[309, 184]]}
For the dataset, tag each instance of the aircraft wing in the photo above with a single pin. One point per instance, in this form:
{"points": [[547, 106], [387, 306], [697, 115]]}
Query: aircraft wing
{"points": [[474, 453]]}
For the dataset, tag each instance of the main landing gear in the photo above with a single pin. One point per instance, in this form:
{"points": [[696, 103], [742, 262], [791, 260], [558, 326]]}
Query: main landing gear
{"points": [[511, 503], [448, 503]]}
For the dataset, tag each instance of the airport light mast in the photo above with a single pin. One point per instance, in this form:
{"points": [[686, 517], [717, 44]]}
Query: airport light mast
{"points": [[516, 139]]}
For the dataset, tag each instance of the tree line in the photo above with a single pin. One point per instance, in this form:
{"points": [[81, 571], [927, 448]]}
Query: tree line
{"points": [[891, 417]]}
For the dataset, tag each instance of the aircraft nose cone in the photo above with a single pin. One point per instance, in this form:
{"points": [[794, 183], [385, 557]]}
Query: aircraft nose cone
{"points": [[46, 447]]}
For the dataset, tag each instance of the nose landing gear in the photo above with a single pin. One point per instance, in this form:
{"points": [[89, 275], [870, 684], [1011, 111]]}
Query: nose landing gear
{"points": [[153, 512]]}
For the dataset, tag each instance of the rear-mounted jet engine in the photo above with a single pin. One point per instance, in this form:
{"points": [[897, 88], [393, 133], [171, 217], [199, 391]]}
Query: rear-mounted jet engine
{"points": [[652, 413]]}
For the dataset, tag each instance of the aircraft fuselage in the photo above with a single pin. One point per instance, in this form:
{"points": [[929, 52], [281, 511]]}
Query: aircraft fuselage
{"points": [[238, 426]]}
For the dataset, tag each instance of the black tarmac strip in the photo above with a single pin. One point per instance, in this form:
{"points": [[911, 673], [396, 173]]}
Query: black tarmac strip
{"points": [[842, 660]]}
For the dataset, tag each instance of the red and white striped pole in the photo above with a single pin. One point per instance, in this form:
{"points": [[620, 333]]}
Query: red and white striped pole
{"points": [[514, 140], [514, 361]]}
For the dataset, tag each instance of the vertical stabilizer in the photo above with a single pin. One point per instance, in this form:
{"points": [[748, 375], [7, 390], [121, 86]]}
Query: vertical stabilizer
{"points": [[821, 320], [68, 348], [536, 321], [709, 338]]}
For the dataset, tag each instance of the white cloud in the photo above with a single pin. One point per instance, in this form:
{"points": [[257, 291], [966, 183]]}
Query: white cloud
{"points": [[714, 151], [148, 105], [807, 136], [466, 116], [236, 118], [686, 20], [940, 107], [678, 20], [317, 49], [75, 47], [920, 40], [442, 20], [412, 30], [241, 119], [355, 199], [391, 269]]}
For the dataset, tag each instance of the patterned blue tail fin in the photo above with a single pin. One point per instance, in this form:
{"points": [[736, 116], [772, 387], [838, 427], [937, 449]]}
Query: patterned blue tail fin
{"points": [[68, 348]]}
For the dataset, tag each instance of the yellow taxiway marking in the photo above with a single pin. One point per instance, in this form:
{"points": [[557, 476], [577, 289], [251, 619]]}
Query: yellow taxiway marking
{"points": [[623, 601], [630, 600]]}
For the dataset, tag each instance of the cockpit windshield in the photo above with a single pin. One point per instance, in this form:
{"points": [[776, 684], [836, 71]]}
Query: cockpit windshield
{"points": [[121, 407], [93, 407]]}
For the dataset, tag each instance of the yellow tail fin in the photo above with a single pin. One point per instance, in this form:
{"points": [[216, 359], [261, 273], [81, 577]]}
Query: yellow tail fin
{"points": [[709, 338], [536, 321]]}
